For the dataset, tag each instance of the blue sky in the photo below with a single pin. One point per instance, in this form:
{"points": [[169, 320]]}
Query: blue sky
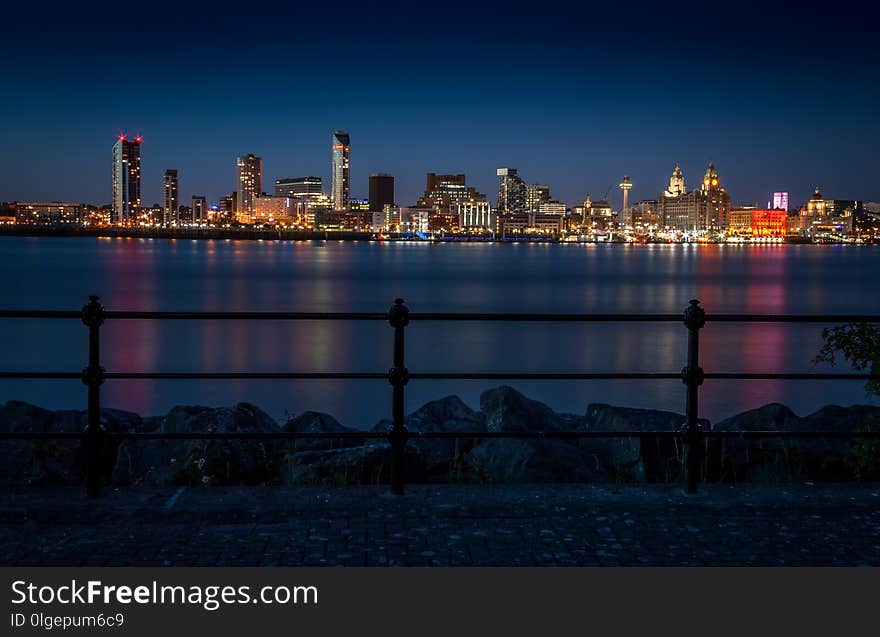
{"points": [[780, 98]]}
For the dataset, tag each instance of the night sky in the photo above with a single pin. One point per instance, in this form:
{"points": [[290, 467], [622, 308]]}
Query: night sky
{"points": [[779, 98]]}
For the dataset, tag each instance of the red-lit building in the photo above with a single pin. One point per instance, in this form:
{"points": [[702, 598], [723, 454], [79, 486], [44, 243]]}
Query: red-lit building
{"points": [[754, 222]]}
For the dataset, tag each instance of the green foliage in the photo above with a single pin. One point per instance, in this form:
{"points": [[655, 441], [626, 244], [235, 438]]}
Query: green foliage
{"points": [[858, 344], [864, 459]]}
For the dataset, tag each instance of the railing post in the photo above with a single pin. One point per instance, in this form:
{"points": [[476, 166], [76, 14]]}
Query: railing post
{"points": [[692, 376], [93, 378], [398, 376]]}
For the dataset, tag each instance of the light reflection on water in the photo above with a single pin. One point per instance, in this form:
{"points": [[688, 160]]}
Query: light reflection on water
{"points": [[366, 276]]}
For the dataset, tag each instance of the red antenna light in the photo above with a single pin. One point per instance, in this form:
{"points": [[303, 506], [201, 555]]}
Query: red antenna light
{"points": [[122, 137], [138, 139]]}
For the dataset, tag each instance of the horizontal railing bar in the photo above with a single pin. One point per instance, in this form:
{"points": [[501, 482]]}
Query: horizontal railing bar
{"points": [[285, 435], [446, 316], [443, 375]]}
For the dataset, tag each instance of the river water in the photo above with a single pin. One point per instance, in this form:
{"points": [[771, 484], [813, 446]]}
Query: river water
{"points": [[157, 274]]}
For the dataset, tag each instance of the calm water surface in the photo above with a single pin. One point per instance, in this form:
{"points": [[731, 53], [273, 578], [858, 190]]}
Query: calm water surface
{"points": [[135, 274]]}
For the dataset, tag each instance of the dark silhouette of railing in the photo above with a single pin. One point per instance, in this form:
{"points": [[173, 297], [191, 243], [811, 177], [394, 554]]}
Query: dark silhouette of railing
{"points": [[692, 375]]}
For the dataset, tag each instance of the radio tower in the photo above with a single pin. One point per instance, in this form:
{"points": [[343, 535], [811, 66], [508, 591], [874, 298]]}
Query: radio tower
{"points": [[625, 185]]}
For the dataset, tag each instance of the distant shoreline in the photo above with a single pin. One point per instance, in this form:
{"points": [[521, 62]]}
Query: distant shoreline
{"points": [[254, 234]]}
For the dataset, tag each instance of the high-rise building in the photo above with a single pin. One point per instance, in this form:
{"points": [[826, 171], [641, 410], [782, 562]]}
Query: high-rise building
{"points": [[170, 200], [511, 192], [250, 182], [341, 185], [126, 180], [381, 191], [199, 209]]}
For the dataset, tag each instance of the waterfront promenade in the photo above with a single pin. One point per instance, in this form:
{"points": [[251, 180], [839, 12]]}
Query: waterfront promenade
{"points": [[540, 525]]}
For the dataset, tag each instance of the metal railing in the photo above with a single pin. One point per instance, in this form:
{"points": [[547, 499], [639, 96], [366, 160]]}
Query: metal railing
{"points": [[692, 375]]}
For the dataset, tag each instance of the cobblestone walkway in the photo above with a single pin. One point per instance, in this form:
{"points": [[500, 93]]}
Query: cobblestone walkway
{"points": [[445, 525]]}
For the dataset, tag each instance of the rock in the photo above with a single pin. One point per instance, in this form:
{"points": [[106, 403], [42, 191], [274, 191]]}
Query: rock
{"points": [[531, 460], [55, 462], [366, 464], [449, 414], [194, 462], [773, 417], [317, 422], [634, 459], [505, 409]]}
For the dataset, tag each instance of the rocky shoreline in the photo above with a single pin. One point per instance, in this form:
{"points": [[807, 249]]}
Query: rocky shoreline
{"points": [[462, 460]]}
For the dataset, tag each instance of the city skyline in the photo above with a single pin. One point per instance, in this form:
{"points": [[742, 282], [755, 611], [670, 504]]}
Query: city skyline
{"points": [[781, 109]]}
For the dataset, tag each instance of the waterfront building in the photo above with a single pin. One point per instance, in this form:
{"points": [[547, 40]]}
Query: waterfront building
{"points": [[269, 209], [226, 208], [625, 186], [359, 205], [750, 221], [823, 216], [442, 192], [475, 216], [199, 209], [703, 210], [644, 214], [250, 183], [780, 201], [341, 184], [170, 200], [525, 224], [511, 192], [381, 191], [49, 213], [414, 219], [126, 180]]}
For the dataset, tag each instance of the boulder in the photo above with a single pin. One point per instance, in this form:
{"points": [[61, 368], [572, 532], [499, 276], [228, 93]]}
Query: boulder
{"points": [[194, 462], [449, 414], [365, 464], [505, 409], [531, 460], [55, 462], [635, 459], [317, 422]]}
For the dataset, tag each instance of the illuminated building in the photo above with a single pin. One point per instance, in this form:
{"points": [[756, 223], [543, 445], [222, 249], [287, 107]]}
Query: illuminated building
{"points": [[703, 210], [536, 194], [625, 186], [442, 192], [523, 224], [414, 219], [381, 191], [780, 201], [552, 208], [754, 222], [475, 215], [226, 208], [340, 186], [269, 209], [645, 214], [250, 183], [170, 200], [829, 216], [296, 187], [199, 209], [126, 180], [52, 213], [359, 205], [511, 192]]}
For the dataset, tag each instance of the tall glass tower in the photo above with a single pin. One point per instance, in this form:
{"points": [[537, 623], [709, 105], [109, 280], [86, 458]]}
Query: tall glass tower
{"points": [[341, 184], [250, 182], [126, 180], [170, 199]]}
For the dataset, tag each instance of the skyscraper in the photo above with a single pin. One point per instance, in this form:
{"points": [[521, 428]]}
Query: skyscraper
{"points": [[381, 191], [126, 180], [199, 209], [340, 192], [170, 198], [250, 182]]}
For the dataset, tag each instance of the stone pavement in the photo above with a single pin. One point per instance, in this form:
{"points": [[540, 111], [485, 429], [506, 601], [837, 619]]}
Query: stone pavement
{"points": [[533, 525]]}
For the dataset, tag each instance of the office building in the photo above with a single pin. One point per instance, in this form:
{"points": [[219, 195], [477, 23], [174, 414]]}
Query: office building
{"points": [[51, 213], [442, 192], [381, 191], [475, 216], [511, 192], [199, 209]]}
